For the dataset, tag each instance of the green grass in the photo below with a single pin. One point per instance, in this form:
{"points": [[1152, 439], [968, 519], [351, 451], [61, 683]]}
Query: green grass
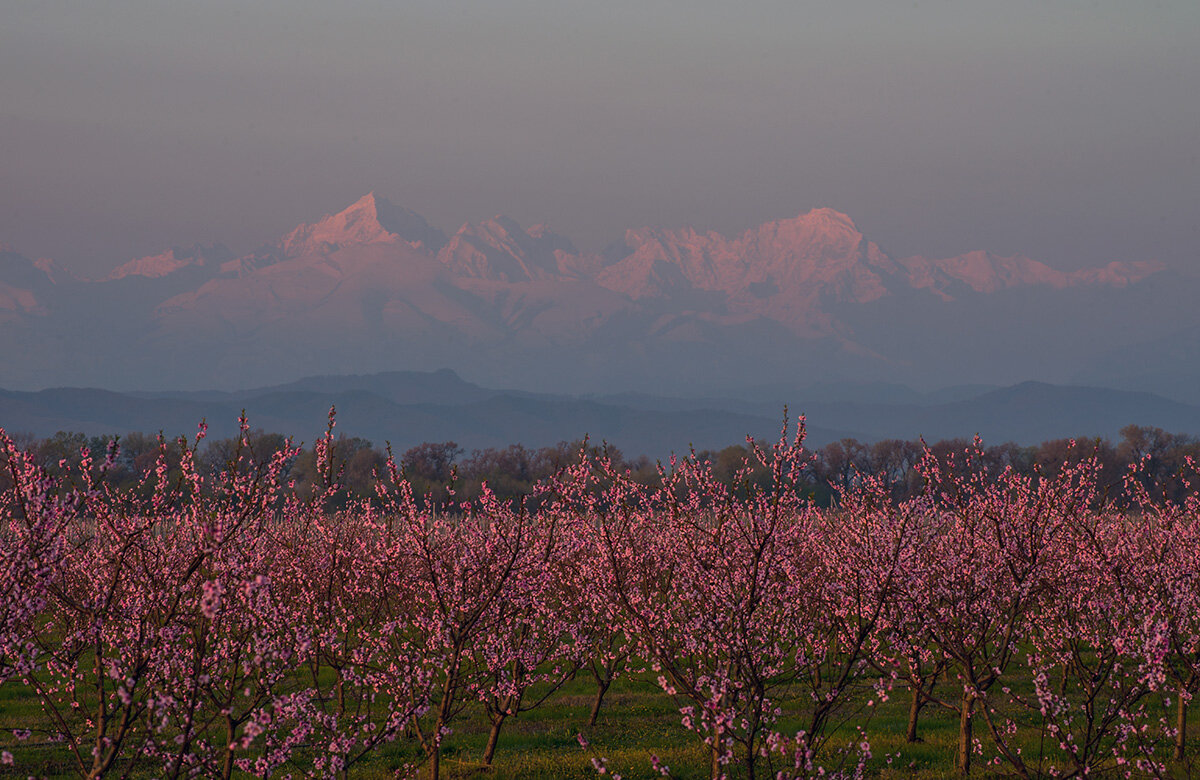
{"points": [[636, 722]]}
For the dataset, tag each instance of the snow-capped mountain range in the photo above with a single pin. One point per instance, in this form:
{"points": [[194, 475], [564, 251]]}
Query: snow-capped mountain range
{"points": [[375, 287]]}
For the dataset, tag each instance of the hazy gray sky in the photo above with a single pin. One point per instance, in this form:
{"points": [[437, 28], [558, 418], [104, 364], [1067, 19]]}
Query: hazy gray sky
{"points": [[1063, 129]]}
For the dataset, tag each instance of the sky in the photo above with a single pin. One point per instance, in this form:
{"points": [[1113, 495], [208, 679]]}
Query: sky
{"points": [[1066, 130]]}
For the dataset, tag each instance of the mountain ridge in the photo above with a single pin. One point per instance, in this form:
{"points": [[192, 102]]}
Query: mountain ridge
{"points": [[710, 260], [375, 287]]}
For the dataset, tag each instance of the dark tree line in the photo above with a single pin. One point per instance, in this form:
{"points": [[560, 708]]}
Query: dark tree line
{"points": [[441, 471], [1160, 455]]}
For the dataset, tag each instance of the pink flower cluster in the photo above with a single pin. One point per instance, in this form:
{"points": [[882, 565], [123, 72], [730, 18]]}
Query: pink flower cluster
{"points": [[222, 625]]}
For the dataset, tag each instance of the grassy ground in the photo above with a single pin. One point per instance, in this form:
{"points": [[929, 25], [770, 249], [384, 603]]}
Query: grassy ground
{"points": [[637, 721]]}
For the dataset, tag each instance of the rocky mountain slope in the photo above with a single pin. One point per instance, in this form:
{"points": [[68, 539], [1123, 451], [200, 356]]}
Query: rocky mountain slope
{"points": [[375, 287]]}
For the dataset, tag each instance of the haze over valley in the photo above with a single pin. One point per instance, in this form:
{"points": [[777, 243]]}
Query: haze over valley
{"points": [[709, 208]]}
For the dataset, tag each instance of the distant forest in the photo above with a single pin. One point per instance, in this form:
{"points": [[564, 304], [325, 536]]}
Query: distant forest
{"points": [[444, 473]]}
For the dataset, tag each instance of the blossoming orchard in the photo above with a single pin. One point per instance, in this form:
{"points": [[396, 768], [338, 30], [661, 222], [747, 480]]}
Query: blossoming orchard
{"points": [[225, 625]]}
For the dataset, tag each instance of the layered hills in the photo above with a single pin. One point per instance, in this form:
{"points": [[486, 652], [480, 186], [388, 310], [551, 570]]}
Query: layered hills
{"points": [[406, 408]]}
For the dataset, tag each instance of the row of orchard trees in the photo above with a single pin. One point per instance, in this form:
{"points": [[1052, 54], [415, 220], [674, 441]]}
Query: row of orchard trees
{"points": [[429, 466], [211, 625], [514, 470]]}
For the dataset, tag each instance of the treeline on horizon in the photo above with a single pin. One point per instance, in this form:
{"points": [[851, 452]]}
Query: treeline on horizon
{"points": [[445, 473]]}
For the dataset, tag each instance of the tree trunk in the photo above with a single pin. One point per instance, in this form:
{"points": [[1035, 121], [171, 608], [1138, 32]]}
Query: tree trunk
{"points": [[965, 736], [715, 767], [1180, 728], [435, 756], [444, 709], [227, 759], [601, 689], [493, 737], [914, 710], [434, 760]]}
